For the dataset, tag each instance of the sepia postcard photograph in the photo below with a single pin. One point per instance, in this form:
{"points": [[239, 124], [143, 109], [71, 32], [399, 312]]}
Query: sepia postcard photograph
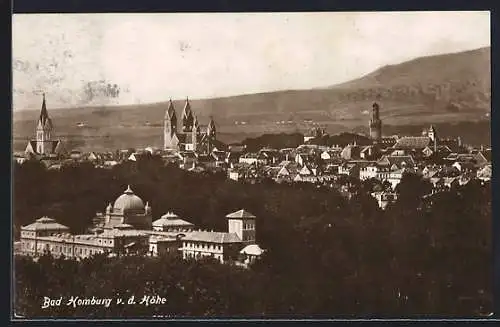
{"points": [[284, 165]]}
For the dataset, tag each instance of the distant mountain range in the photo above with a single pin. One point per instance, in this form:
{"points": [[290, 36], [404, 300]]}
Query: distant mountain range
{"points": [[445, 88]]}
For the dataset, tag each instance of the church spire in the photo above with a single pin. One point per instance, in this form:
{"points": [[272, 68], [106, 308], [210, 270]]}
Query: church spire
{"points": [[196, 125], [187, 117], [44, 115], [211, 130], [170, 112]]}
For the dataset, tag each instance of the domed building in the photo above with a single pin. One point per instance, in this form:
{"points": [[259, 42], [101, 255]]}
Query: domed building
{"points": [[129, 209]]}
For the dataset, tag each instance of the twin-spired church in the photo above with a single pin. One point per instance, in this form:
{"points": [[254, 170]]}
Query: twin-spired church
{"points": [[190, 137]]}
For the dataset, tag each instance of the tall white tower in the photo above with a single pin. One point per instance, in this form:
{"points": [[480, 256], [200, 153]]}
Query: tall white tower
{"points": [[242, 223], [43, 130]]}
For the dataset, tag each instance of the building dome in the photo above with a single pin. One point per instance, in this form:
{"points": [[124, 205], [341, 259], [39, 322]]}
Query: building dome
{"points": [[128, 201]]}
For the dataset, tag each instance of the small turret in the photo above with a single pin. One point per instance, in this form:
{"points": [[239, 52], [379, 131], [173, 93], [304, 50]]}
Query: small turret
{"points": [[147, 208]]}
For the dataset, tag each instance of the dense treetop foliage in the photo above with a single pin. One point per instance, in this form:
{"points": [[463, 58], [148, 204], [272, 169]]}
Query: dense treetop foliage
{"points": [[274, 141], [326, 255]]}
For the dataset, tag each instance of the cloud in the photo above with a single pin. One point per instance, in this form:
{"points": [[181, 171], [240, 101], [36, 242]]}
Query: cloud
{"points": [[158, 56]]}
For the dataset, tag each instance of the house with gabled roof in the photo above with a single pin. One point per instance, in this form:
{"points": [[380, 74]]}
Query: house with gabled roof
{"points": [[442, 150], [463, 166], [287, 171], [397, 162], [483, 158]]}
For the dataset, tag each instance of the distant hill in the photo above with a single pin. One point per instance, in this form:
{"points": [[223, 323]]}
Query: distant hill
{"points": [[448, 88], [450, 82]]}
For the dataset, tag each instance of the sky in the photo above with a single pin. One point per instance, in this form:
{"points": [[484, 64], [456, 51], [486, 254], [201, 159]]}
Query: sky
{"points": [[154, 57]]}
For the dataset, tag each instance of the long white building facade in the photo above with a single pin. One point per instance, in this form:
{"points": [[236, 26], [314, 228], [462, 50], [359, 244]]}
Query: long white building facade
{"points": [[126, 228]]}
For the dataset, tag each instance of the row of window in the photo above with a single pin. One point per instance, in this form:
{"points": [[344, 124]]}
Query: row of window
{"points": [[247, 237], [200, 255], [248, 226], [61, 249], [105, 241], [172, 229], [203, 246]]}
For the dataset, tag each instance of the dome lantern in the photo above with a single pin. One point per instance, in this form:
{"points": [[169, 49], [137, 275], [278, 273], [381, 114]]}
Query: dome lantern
{"points": [[128, 190]]}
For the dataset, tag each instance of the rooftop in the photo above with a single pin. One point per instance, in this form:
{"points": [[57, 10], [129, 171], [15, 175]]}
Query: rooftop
{"points": [[240, 214], [171, 219], [212, 237], [45, 223]]}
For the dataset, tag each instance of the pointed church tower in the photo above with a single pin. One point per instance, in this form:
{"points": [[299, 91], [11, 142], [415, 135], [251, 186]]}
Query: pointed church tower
{"points": [[187, 117], [169, 126], [43, 130], [211, 130], [211, 134], [195, 133], [433, 136]]}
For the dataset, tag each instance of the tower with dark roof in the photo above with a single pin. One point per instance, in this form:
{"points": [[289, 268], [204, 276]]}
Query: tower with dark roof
{"points": [[170, 127], [375, 123], [187, 117]]}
